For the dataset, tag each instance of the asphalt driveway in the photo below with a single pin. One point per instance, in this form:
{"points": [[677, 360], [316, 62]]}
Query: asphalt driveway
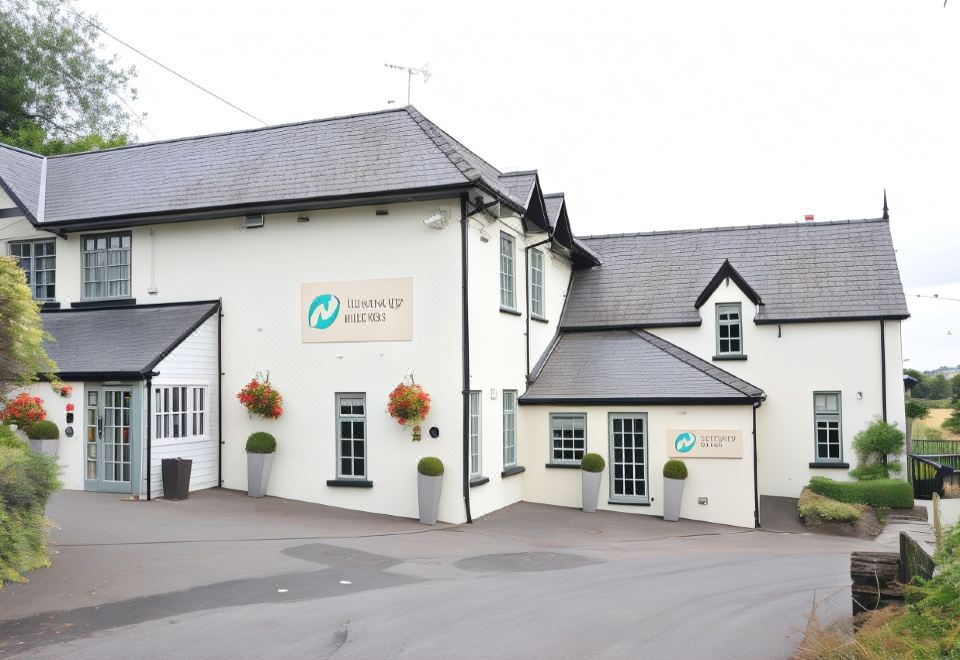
{"points": [[222, 575]]}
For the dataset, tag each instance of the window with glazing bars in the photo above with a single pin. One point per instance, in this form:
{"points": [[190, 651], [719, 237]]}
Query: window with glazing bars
{"points": [[826, 412], [351, 436], [568, 437], [179, 411], [509, 428], [474, 434], [508, 289], [38, 259], [536, 283], [106, 266], [729, 330]]}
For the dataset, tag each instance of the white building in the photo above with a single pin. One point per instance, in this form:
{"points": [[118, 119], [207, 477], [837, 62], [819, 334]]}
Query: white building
{"points": [[172, 272]]}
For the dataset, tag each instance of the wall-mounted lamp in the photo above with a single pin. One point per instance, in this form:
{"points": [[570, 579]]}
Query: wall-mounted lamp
{"points": [[859, 395], [484, 236], [436, 220]]}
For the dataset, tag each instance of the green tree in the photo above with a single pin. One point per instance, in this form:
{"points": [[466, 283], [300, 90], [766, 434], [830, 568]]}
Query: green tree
{"points": [[955, 387], [938, 387], [952, 423], [874, 445], [22, 355], [57, 93], [918, 391]]}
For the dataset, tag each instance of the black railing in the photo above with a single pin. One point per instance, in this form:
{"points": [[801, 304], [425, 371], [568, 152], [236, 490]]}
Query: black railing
{"points": [[930, 472]]}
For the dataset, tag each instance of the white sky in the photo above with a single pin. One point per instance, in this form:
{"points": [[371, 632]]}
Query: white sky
{"points": [[649, 115]]}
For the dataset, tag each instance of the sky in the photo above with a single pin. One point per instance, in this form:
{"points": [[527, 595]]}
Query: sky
{"points": [[648, 115]]}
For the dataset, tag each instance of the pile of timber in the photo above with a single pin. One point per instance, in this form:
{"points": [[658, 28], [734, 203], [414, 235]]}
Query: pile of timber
{"points": [[876, 580]]}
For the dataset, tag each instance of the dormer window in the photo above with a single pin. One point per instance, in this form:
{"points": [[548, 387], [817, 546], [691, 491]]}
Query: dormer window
{"points": [[729, 330]]}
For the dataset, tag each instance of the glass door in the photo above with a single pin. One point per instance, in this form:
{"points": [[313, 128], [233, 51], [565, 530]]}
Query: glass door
{"points": [[111, 440], [628, 458]]}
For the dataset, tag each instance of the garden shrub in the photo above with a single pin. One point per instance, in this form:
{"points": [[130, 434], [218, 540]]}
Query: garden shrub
{"points": [[820, 508], [43, 430], [261, 443], [592, 462], [9, 439], [874, 445], [674, 469], [890, 493], [430, 466]]}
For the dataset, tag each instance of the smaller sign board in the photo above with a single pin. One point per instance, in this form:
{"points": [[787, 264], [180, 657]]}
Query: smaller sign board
{"points": [[703, 443]]}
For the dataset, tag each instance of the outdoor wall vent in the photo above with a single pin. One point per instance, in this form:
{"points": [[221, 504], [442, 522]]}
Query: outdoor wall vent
{"points": [[252, 221]]}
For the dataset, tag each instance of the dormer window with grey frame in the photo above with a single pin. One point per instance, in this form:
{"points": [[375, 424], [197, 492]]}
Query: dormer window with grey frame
{"points": [[38, 259], [106, 266], [729, 331], [508, 278], [828, 429]]}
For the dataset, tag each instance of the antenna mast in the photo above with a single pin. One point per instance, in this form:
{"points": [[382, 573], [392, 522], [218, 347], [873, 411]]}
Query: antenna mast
{"points": [[411, 72]]}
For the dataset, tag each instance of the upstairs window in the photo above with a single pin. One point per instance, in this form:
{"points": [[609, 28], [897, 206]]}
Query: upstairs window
{"points": [[38, 259], [106, 266], [509, 428], [536, 284], [729, 330], [826, 415], [508, 288]]}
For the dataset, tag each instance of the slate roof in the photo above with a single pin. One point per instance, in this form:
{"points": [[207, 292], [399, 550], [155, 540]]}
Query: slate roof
{"points": [[630, 366], [20, 175], [121, 340], [554, 202], [520, 185], [801, 272]]}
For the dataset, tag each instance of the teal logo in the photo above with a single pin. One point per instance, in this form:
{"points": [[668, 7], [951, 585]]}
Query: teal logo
{"points": [[323, 311], [685, 442]]}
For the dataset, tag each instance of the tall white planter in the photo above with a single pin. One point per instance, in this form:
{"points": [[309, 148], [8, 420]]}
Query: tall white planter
{"points": [[672, 498], [428, 496], [48, 447], [590, 491], [258, 473]]}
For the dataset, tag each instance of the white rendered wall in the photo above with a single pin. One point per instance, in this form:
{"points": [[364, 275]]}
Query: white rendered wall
{"points": [[70, 454], [193, 362], [789, 368], [727, 483]]}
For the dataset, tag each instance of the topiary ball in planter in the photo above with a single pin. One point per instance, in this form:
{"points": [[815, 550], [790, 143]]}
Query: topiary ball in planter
{"points": [[675, 469], [430, 466], [592, 463], [261, 443], [44, 437]]}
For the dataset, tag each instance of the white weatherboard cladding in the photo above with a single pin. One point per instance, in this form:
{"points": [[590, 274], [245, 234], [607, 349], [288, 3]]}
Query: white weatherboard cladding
{"points": [[806, 357], [727, 483], [192, 363]]}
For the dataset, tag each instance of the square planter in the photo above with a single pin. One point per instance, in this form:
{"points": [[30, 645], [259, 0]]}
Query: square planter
{"points": [[672, 498], [591, 490], [48, 447], [428, 495], [258, 473]]}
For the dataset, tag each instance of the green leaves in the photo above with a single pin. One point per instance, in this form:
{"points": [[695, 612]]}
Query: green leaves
{"points": [[22, 355]]}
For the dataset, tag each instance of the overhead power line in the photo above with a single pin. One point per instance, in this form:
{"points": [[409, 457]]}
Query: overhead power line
{"points": [[935, 296], [163, 66]]}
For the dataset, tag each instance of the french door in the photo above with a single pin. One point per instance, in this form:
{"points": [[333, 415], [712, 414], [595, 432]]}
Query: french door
{"points": [[629, 482], [111, 440]]}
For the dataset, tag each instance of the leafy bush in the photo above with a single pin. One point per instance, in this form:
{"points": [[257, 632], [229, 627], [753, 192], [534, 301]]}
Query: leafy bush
{"points": [[820, 508], [9, 439], [916, 409], [23, 410], [877, 492], [430, 466], [43, 430], [952, 423], [592, 462], [874, 445], [261, 443], [674, 469]]}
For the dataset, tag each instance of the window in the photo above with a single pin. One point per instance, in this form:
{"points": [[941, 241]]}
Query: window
{"points": [[826, 413], [474, 434], [508, 299], [568, 437], [729, 330], [38, 259], [536, 284], [106, 266], [509, 428], [352, 436], [179, 411], [628, 458]]}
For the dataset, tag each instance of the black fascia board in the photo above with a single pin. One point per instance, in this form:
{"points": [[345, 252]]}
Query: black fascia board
{"points": [[632, 401], [104, 375], [829, 319], [210, 312], [184, 303], [727, 271], [630, 326]]}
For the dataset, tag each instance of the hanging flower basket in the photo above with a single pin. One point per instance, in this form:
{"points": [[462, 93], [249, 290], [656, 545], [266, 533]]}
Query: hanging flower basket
{"points": [[260, 398], [23, 411], [62, 389], [409, 405]]}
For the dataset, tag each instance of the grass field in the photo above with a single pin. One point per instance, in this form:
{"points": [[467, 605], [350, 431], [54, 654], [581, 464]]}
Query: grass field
{"points": [[937, 417]]}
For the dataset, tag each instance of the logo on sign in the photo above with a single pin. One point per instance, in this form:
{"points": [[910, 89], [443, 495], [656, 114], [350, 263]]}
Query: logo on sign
{"points": [[323, 311], [685, 442]]}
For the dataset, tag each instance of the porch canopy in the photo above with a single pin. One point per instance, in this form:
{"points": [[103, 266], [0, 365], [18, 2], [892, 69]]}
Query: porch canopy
{"points": [[119, 343]]}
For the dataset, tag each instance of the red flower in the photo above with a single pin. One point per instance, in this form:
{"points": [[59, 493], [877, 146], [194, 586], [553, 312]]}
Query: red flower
{"points": [[23, 410], [69, 407], [260, 398]]}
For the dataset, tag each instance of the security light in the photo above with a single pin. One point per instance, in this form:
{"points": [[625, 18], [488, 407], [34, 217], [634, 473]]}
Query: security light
{"points": [[438, 220]]}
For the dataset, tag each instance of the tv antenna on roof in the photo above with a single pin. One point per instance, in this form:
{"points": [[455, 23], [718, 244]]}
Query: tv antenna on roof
{"points": [[411, 72]]}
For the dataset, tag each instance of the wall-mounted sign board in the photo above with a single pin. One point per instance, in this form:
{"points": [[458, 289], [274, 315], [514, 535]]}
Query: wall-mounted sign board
{"points": [[700, 443], [361, 310]]}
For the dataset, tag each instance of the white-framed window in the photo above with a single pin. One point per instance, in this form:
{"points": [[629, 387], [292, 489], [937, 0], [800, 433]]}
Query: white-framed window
{"points": [[352, 436], [180, 411], [537, 306], [106, 265], [729, 329], [509, 428], [508, 284], [568, 437], [38, 259], [829, 436], [474, 434]]}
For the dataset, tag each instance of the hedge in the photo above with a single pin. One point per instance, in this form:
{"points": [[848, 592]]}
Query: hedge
{"points": [[890, 493], [817, 508]]}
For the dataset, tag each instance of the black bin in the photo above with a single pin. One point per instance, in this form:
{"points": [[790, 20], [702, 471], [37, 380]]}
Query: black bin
{"points": [[176, 478]]}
